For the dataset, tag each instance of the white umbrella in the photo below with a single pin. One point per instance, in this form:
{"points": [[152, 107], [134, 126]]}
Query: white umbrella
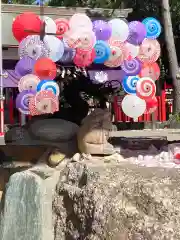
{"points": [[133, 106]]}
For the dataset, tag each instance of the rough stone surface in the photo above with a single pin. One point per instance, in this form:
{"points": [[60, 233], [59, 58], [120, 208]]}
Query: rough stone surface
{"points": [[100, 199], [4, 176], [53, 130], [94, 133], [27, 206]]}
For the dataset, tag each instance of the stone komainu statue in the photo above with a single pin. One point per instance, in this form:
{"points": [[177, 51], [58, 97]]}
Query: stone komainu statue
{"points": [[94, 133]]}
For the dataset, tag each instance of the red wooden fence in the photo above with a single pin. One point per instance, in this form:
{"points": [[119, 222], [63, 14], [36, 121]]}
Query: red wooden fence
{"points": [[10, 115], [159, 115]]}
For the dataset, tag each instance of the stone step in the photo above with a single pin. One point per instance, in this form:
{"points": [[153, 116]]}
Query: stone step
{"points": [[138, 143]]}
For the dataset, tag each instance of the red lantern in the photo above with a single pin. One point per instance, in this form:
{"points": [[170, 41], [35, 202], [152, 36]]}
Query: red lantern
{"points": [[23, 22], [151, 105], [45, 68]]}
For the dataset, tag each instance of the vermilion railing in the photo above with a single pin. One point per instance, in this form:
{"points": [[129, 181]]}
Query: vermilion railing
{"points": [[13, 116], [159, 114]]}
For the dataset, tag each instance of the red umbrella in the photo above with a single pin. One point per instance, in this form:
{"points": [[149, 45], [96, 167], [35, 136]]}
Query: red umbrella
{"points": [[24, 24], [151, 105], [45, 69]]}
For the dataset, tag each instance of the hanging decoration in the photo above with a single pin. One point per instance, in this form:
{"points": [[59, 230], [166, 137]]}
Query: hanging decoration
{"points": [[149, 51], [120, 29], [151, 70], [151, 105], [137, 32], [45, 68], [103, 52], [153, 27], [33, 47], [23, 23], [28, 82], [116, 43], [48, 85], [55, 46], [46, 102], [22, 101], [25, 66], [146, 88], [131, 67], [129, 84], [102, 30], [62, 26], [133, 106]]}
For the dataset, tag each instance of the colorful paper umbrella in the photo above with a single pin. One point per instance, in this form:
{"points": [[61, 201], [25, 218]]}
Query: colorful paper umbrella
{"points": [[133, 106], [80, 20], [32, 107], [149, 51], [24, 24], [81, 38], [116, 57], [45, 68], [33, 47], [102, 30], [56, 47], [46, 102], [151, 105], [24, 66], [153, 27], [151, 70], [120, 29], [62, 25], [103, 52], [50, 25], [44, 107], [48, 85], [132, 51], [137, 32], [129, 84], [84, 58], [47, 106], [22, 101], [28, 82], [146, 88], [44, 94], [131, 67], [68, 54]]}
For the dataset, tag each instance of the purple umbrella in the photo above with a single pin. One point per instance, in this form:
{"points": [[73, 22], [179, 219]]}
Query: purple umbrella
{"points": [[131, 67], [24, 66], [102, 30], [137, 32], [22, 101]]}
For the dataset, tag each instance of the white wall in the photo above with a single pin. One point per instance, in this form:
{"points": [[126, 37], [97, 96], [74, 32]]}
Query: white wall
{"points": [[7, 36]]}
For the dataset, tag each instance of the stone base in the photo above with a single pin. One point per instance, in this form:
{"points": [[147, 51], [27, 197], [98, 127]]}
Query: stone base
{"points": [[97, 201]]}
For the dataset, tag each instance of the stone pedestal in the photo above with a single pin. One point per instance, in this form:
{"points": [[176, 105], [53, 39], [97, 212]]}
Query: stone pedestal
{"points": [[27, 205], [98, 201]]}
